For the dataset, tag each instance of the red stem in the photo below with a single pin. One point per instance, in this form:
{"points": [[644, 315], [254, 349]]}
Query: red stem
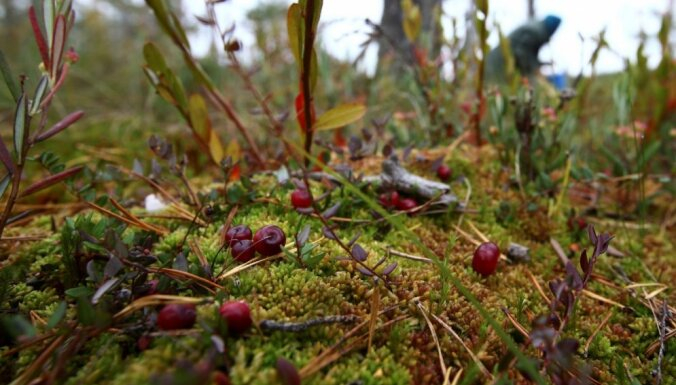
{"points": [[306, 70]]}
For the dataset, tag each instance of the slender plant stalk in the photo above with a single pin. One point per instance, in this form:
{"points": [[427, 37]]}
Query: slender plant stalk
{"points": [[479, 92], [307, 64]]}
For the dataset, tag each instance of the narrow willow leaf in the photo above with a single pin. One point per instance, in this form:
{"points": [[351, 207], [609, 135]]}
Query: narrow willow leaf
{"points": [[58, 45], [9, 78], [40, 92], [4, 183], [60, 126], [50, 181], [293, 28], [215, 147], [20, 120], [154, 58], [48, 17], [199, 117], [105, 287], [340, 116], [317, 11], [39, 36], [159, 7]]}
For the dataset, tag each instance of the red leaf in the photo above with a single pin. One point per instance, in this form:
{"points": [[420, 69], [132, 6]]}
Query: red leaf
{"points": [[300, 111], [60, 126], [39, 38], [50, 180], [58, 44], [338, 138]]}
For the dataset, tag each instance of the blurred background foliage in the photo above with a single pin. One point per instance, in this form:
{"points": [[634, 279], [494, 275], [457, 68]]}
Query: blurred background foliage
{"points": [[420, 104]]}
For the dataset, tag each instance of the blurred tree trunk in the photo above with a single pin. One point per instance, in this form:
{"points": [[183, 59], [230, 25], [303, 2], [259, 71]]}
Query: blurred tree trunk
{"points": [[396, 44], [531, 9]]}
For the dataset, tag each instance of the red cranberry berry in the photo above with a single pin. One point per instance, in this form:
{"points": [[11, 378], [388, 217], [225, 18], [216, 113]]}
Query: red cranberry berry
{"points": [[237, 233], [300, 199], [242, 250], [237, 315], [485, 260], [269, 240], [444, 172], [176, 316], [389, 200], [407, 204]]}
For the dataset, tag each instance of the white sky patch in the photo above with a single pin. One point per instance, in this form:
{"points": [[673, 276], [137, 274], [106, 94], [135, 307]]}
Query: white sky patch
{"points": [[343, 28]]}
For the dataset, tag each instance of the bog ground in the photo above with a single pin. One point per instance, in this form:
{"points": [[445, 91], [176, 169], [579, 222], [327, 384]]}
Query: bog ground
{"points": [[173, 219]]}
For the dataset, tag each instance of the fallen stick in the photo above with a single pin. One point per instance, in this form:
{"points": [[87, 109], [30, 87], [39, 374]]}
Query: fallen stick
{"points": [[396, 177]]}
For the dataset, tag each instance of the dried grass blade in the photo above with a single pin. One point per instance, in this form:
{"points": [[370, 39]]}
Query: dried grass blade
{"points": [[422, 309], [476, 359], [601, 298], [156, 299], [598, 328]]}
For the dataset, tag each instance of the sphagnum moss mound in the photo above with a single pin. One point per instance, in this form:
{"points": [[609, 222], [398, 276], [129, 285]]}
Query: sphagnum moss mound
{"points": [[402, 351]]}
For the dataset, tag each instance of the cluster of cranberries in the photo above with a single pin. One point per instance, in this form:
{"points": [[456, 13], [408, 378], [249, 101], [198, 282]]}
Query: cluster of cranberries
{"points": [[394, 200], [267, 241], [485, 260], [236, 314]]}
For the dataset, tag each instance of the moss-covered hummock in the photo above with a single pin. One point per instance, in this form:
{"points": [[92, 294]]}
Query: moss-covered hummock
{"points": [[130, 350]]}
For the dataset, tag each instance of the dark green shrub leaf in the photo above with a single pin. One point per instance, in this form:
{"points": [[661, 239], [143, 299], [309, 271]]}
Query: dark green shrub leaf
{"points": [[39, 94], [20, 121], [57, 316]]}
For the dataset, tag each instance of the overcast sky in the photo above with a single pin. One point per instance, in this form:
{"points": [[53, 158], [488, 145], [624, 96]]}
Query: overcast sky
{"points": [[344, 26]]}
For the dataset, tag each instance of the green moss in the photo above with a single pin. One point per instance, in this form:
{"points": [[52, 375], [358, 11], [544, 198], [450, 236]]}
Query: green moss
{"points": [[402, 353]]}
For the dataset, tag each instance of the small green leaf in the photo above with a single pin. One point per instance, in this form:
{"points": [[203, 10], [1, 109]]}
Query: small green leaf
{"points": [[20, 120], [77, 292], [39, 94], [293, 27], [340, 116], [154, 58], [57, 316], [199, 117]]}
